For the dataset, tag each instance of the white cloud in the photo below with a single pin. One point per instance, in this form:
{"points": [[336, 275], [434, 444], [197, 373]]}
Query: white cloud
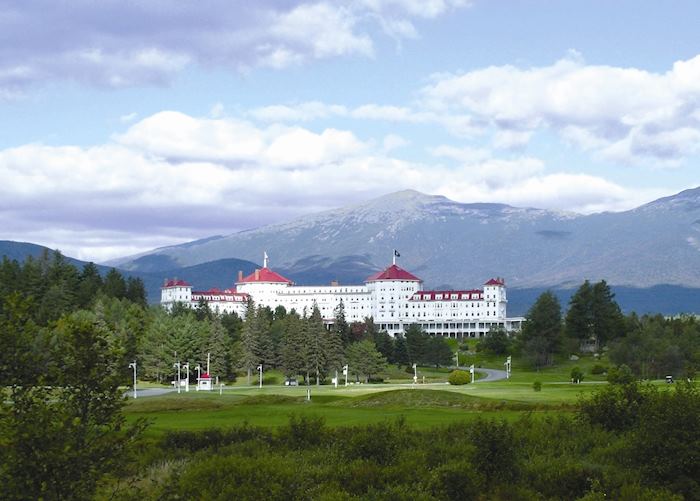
{"points": [[625, 114], [172, 177], [112, 43]]}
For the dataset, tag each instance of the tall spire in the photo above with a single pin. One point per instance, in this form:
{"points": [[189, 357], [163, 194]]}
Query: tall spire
{"points": [[265, 259]]}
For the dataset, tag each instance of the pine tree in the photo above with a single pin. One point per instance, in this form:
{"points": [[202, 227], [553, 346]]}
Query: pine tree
{"points": [[136, 291], [214, 345], [316, 344], [89, 286], [579, 318], [541, 334], [365, 360], [292, 356], [114, 284], [400, 350], [250, 340], [340, 324]]}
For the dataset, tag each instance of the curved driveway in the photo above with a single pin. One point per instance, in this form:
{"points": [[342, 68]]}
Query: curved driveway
{"points": [[491, 375]]}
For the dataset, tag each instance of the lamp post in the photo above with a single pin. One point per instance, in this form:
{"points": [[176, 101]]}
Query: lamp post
{"points": [[198, 368], [177, 364], [345, 373], [260, 370], [508, 367], [471, 371], [133, 366], [186, 366], [415, 374], [457, 359]]}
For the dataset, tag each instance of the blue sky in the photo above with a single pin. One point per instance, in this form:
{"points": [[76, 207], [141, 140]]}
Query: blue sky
{"points": [[127, 126]]}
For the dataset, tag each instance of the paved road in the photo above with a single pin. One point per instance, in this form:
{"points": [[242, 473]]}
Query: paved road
{"points": [[491, 375], [149, 392]]}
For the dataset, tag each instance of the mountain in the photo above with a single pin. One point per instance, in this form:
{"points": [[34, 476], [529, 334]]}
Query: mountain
{"points": [[452, 244]]}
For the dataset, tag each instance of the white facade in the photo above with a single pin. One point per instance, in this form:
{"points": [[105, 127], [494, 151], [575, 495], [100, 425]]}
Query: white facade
{"points": [[393, 298]]}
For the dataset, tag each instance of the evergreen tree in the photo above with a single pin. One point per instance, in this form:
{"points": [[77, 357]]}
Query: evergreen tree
{"points": [[214, 344], [340, 325], [579, 318], [136, 291], [417, 344], [541, 334], [293, 359], [364, 359], [438, 352], [385, 345], [400, 350], [316, 348], [89, 286], [251, 349], [155, 355], [114, 284]]}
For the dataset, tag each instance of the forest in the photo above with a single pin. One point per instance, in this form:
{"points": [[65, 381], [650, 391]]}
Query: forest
{"points": [[68, 336]]}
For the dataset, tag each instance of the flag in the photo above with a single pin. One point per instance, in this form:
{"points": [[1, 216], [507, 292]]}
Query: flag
{"points": [[396, 253]]}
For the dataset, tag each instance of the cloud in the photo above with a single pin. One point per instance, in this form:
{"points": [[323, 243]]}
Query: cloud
{"points": [[116, 44], [172, 177], [623, 114]]}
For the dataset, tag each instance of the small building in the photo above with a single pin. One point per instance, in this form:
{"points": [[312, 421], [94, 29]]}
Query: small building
{"points": [[204, 382]]}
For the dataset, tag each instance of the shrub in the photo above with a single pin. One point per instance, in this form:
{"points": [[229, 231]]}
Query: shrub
{"points": [[621, 374], [459, 377], [599, 369], [537, 386], [576, 375]]}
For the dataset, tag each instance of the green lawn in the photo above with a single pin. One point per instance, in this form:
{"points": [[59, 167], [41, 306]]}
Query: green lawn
{"points": [[433, 403]]}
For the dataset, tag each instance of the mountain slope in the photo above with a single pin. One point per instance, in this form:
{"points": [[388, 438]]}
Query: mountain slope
{"points": [[450, 243]]}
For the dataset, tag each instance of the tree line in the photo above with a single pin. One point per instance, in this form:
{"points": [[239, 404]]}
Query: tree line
{"points": [[651, 346]]}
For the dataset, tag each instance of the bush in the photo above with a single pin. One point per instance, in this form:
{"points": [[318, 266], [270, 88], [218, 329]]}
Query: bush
{"points": [[537, 386], [621, 374], [459, 377], [599, 369], [576, 375]]}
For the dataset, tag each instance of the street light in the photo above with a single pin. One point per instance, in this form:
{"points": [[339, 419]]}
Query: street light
{"points": [[177, 364], [260, 370], [133, 365], [186, 366], [471, 371], [415, 373], [508, 367], [198, 368], [345, 373]]}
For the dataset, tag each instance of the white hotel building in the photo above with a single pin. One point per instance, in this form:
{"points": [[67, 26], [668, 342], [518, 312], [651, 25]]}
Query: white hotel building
{"points": [[394, 298]]}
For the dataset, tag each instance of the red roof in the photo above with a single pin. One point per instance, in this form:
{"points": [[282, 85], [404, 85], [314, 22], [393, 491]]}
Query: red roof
{"points": [[393, 272], [205, 376], [175, 283], [265, 275], [496, 281]]}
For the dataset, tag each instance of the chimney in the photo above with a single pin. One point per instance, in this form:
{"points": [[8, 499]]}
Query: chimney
{"points": [[240, 275], [165, 282], [257, 275], [334, 283]]}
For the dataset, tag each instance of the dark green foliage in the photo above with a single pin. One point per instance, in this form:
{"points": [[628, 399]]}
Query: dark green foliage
{"points": [[400, 350], [458, 377], [665, 445], [576, 375], [541, 336], [114, 284], [656, 346], [615, 407], [537, 385], [59, 440], [438, 352], [598, 369], [496, 341], [621, 374], [364, 360], [594, 315]]}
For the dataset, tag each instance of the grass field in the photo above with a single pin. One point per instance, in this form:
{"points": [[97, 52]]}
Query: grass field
{"points": [[425, 405]]}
